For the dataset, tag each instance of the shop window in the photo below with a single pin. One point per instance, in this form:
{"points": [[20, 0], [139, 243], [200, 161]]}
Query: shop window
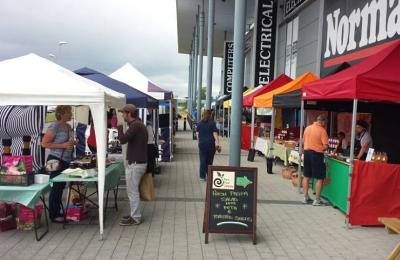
{"points": [[292, 31]]}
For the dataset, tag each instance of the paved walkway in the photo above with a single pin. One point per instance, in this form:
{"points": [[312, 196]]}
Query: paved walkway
{"points": [[172, 228]]}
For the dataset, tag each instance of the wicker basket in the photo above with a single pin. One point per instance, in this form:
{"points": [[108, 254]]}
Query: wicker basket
{"points": [[294, 179], [287, 172]]}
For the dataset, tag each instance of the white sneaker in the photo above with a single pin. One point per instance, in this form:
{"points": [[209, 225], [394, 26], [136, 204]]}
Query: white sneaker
{"points": [[317, 203]]}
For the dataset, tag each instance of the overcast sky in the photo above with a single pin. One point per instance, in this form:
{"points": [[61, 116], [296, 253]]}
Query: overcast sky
{"points": [[102, 35]]}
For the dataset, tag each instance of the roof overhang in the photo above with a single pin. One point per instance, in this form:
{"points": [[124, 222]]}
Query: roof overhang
{"points": [[186, 11]]}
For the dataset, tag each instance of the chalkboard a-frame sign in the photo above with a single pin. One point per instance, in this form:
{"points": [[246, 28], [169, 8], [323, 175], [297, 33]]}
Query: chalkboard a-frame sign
{"points": [[231, 201]]}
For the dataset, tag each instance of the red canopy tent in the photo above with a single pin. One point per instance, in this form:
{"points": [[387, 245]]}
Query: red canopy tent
{"points": [[377, 78], [276, 83], [249, 99]]}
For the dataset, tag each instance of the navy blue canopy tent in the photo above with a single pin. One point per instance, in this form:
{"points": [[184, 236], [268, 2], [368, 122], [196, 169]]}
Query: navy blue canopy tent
{"points": [[133, 96]]}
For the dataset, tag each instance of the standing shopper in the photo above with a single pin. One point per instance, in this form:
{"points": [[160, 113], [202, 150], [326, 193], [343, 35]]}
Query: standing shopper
{"points": [[59, 139], [315, 142], [207, 134], [136, 137]]}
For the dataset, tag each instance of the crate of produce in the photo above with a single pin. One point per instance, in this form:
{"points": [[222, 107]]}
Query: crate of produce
{"points": [[17, 180]]}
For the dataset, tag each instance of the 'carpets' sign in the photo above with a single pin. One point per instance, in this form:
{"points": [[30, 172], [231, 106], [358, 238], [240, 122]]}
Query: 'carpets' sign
{"points": [[265, 42], [228, 67], [356, 29], [292, 5]]}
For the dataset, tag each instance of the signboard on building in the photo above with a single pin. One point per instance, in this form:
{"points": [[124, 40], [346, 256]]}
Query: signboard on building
{"points": [[291, 6], [228, 67], [231, 201], [355, 29], [264, 42]]}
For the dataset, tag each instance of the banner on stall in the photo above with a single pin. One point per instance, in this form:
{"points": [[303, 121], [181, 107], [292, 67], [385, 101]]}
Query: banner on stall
{"points": [[264, 41], [228, 67]]}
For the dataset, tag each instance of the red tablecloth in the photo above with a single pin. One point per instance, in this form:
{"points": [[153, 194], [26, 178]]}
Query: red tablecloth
{"points": [[375, 192], [246, 136]]}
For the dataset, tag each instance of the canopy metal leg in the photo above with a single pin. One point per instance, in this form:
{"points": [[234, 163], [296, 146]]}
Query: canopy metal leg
{"points": [[351, 167]]}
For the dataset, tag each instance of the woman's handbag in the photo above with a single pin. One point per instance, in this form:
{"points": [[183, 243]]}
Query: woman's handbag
{"points": [[53, 165], [146, 188]]}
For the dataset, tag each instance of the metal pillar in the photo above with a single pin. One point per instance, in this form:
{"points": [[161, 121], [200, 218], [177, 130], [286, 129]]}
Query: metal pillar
{"points": [[200, 50], [196, 57], [253, 117], [237, 83], [351, 167], [189, 101], [210, 51], [299, 173]]}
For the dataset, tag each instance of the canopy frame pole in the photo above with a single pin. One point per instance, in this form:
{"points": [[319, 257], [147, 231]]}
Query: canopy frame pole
{"points": [[271, 135], [351, 167], [299, 172], [253, 116], [171, 129], [229, 123], [223, 121]]}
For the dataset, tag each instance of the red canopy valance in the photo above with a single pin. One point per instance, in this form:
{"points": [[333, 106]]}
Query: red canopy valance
{"points": [[377, 78]]}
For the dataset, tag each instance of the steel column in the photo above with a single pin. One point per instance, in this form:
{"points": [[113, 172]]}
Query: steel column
{"points": [[237, 82], [200, 72], [210, 51]]}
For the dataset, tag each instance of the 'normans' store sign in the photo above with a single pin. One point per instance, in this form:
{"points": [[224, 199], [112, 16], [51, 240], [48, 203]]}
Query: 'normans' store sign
{"points": [[354, 29]]}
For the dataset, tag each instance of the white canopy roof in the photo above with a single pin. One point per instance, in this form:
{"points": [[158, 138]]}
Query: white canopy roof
{"points": [[131, 76], [32, 80]]}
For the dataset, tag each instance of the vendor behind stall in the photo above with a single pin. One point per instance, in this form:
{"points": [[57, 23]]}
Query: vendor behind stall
{"points": [[342, 145], [363, 140]]}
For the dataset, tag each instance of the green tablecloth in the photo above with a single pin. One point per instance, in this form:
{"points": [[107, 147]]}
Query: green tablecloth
{"points": [[113, 174], [337, 173], [282, 152], [28, 196]]}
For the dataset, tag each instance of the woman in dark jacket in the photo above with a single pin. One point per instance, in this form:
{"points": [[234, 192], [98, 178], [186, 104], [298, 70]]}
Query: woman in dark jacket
{"points": [[207, 135]]}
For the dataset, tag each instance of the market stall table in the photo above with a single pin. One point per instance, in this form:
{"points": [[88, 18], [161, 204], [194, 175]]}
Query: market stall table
{"points": [[294, 157], [336, 183], [261, 144], [28, 196], [112, 177], [282, 152]]}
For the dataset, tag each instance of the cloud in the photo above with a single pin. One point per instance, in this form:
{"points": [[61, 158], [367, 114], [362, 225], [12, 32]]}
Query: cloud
{"points": [[102, 35]]}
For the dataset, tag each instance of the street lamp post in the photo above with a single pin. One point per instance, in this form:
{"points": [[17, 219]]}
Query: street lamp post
{"points": [[60, 43]]}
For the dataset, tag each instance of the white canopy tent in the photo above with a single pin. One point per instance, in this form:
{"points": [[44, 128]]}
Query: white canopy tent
{"points": [[32, 80], [131, 76]]}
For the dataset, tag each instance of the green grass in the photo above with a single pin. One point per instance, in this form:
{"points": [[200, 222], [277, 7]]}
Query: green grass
{"points": [[50, 117]]}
